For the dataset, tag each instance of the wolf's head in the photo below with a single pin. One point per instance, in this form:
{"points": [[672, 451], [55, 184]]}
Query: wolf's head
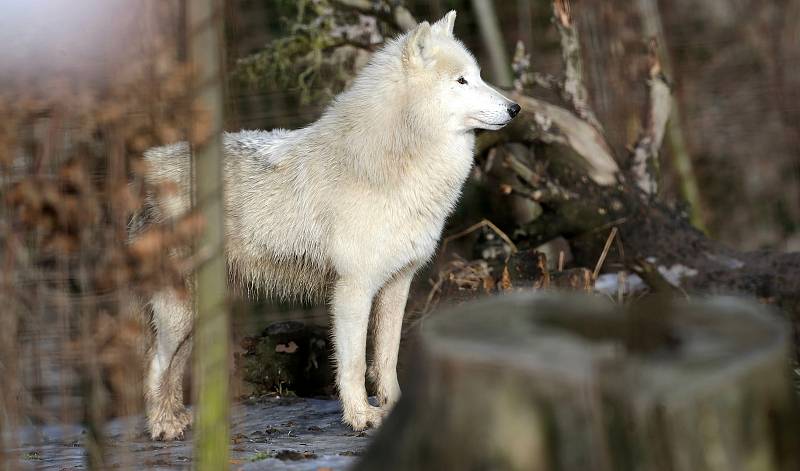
{"points": [[448, 78]]}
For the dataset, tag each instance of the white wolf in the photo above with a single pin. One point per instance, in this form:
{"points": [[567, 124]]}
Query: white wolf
{"points": [[350, 206]]}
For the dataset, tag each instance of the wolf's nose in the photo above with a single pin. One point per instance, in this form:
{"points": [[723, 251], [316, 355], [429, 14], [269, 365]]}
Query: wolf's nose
{"points": [[513, 110]]}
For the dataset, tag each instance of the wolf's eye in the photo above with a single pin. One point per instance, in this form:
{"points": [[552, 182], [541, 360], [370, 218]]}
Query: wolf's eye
{"points": [[462, 80]]}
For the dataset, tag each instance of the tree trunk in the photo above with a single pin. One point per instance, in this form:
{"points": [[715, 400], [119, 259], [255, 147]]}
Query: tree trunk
{"points": [[539, 382]]}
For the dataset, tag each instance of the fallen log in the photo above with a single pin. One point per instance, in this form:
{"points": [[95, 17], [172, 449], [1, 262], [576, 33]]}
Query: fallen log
{"points": [[656, 238], [553, 382]]}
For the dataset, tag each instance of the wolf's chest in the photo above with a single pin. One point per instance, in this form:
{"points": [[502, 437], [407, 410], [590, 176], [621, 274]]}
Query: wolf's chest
{"points": [[397, 222], [414, 210]]}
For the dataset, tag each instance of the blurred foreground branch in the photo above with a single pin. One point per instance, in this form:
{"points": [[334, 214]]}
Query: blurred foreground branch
{"points": [[489, 26], [212, 329]]}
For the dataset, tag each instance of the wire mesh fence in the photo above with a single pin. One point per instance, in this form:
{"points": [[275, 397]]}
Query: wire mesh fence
{"points": [[86, 88], [73, 285]]}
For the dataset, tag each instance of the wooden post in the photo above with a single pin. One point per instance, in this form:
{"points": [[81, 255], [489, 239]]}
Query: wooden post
{"points": [[211, 336], [554, 382]]}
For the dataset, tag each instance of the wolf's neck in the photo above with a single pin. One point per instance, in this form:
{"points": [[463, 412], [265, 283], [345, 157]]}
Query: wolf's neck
{"points": [[382, 128]]}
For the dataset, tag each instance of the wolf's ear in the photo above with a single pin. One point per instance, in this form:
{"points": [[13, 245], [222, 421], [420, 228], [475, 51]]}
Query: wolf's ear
{"points": [[445, 25], [417, 49]]}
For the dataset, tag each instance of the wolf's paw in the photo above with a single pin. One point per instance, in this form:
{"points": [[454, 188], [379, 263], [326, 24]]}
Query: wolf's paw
{"points": [[364, 417], [170, 426], [388, 396]]}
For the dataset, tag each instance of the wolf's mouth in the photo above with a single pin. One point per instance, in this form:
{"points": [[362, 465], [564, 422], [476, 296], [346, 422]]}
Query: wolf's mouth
{"points": [[492, 124]]}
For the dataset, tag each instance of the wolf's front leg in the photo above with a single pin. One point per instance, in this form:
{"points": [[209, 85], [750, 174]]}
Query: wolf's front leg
{"points": [[167, 418], [388, 325], [352, 300]]}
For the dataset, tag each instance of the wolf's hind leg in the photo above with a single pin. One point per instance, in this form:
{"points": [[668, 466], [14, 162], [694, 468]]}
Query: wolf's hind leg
{"points": [[352, 300], [387, 329], [167, 418]]}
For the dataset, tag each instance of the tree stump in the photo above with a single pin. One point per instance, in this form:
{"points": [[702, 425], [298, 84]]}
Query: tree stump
{"points": [[542, 381]]}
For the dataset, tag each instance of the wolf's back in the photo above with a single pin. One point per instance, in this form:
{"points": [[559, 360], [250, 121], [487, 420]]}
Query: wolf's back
{"points": [[169, 167]]}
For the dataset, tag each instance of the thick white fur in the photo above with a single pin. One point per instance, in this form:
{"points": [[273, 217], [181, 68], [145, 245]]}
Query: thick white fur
{"points": [[350, 207]]}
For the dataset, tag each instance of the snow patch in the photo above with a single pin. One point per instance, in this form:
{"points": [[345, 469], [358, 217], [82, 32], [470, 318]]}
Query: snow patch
{"points": [[676, 273], [608, 283]]}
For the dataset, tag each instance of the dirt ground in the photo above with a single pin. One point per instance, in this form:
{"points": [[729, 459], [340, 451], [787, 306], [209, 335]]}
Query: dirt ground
{"points": [[269, 433]]}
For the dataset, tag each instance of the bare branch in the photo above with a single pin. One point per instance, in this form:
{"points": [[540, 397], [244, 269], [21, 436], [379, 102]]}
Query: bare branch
{"points": [[681, 159], [644, 158], [574, 90], [604, 254], [396, 14], [475, 227], [556, 124], [543, 188], [521, 65], [365, 6], [525, 78]]}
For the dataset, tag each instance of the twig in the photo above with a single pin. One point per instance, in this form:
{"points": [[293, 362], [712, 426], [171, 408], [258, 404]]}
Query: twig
{"points": [[360, 5], [603, 255], [544, 189], [615, 222], [437, 286], [446, 274], [523, 171], [475, 227], [556, 193], [621, 280], [620, 249]]}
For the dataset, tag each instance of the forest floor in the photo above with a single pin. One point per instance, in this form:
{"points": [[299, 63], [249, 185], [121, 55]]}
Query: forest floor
{"points": [[267, 433]]}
